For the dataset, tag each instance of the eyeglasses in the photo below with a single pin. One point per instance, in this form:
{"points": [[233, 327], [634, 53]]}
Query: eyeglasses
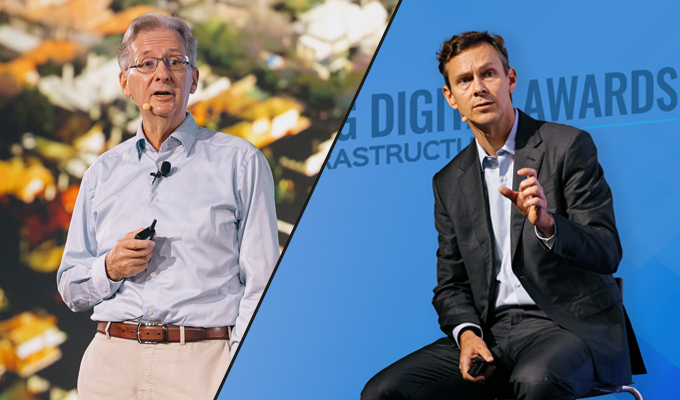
{"points": [[146, 65]]}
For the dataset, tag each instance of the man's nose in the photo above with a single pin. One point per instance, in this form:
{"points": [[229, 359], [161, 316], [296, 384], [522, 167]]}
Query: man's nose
{"points": [[162, 71], [480, 87]]}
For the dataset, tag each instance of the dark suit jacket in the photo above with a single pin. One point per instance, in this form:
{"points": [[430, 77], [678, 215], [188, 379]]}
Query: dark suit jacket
{"points": [[573, 283]]}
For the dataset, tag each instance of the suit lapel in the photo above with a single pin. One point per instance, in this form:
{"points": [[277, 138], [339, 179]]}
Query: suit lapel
{"points": [[527, 155], [473, 189]]}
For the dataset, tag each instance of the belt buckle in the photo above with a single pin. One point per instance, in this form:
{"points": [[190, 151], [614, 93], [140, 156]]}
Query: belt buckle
{"points": [[165, 333]]}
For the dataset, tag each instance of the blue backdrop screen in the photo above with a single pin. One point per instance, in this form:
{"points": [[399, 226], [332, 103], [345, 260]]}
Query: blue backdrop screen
{"points": [[353, 292]]}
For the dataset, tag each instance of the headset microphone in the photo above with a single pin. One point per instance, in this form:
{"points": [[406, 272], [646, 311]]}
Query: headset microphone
{"points": [[145, 106], [164, 171], [464, 119]]}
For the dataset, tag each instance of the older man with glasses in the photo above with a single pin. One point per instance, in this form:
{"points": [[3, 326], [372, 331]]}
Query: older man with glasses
{"points": [[172, 298]]}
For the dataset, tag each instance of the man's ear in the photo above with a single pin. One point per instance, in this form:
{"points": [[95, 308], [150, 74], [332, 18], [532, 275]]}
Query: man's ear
{"points": [[449, 97], [512, 79], [123, 79], [194, 80]]}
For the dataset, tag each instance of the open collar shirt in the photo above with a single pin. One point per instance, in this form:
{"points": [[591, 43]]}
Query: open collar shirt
{"points": [[216, 239], [498, 170]]}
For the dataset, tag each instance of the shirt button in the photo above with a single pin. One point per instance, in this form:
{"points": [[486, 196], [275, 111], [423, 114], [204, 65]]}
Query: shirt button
{"points": [[153, 274], [155, 199], [518, 284], [150, 312], [505, 178]]}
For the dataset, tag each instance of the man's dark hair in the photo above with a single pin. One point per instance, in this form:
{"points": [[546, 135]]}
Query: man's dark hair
{"points": [[461, 42]]}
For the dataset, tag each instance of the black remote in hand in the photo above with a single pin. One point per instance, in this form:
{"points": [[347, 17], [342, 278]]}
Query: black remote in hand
{"points": [[478, 366], [148, 233]]}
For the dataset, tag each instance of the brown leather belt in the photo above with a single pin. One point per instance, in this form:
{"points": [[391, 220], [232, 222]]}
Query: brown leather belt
{"points": [[160, 333]]}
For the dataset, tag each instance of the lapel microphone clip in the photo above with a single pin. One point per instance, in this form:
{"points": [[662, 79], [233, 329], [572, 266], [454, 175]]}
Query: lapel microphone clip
{"points": [[164, 171]]}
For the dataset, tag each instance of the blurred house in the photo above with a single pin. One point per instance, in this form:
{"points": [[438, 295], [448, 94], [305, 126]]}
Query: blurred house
{"points": [[18, 40], [312, 165], [79, 15], [329, 31], [119, 22], [263, 119], [24, 179], [24, 70], [29, 343], [97, 84]]}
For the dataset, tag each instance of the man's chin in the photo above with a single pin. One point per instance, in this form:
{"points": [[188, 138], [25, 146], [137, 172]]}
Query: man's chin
{"points": [[484, 120], [163, 111]]}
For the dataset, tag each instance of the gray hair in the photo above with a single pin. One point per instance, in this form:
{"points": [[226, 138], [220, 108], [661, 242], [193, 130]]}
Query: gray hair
{"points": [[152, 21]]}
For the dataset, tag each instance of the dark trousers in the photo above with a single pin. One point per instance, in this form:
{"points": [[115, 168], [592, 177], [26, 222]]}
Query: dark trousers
{"points": [[535, 359]]}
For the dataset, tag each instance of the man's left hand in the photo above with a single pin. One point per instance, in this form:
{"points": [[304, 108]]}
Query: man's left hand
{"points": [[530, 201]]}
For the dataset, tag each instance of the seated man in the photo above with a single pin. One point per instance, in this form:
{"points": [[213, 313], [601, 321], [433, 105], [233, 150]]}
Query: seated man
{"points": [[527, 248], [172, 308]]}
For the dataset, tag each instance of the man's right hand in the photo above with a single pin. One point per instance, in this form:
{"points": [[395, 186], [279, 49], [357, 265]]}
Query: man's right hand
{"points": [[128, 257], [472, 346]]}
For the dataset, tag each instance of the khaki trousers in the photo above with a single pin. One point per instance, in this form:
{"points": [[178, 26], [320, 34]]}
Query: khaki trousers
{"points": [[124, 369]]}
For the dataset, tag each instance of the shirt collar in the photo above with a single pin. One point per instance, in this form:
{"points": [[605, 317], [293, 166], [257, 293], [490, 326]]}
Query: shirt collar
{"points": [[185, 135], [508, 147]]}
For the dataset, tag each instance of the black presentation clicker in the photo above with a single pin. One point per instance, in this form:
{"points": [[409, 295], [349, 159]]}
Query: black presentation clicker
{"points": [[478, 367], [148, 233]]}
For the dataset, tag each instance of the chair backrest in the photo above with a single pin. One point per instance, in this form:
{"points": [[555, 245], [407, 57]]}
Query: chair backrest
{"points": [[636, 362]]}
